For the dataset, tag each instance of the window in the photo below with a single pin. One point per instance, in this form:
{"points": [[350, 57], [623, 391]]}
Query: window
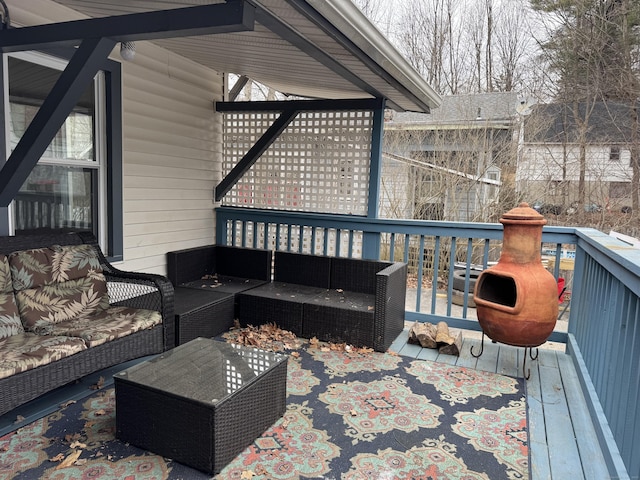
{"points": [[69, 187], [614, 154]]}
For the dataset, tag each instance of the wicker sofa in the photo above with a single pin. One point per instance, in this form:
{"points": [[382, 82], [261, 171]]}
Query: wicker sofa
{"points": [[66, 312], [223, 268], [359, 302]]}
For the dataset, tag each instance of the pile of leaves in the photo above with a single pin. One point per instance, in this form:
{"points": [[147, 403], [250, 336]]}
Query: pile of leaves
{"points": [[271, 337], [266, 337]]}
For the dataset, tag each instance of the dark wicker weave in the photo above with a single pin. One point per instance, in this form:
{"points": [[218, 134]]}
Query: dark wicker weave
{"points": [[179, 419], [340, 316], [278, 303], [297, 280], [202, 313], [26, 386], [225, 269], [360, 302]]}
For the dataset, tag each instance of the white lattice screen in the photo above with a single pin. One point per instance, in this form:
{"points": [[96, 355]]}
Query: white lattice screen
{"points": [[320, 163]]}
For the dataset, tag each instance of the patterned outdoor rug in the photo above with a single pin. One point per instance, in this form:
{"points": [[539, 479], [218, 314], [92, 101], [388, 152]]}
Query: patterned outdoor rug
{"points": [[349, 415]]}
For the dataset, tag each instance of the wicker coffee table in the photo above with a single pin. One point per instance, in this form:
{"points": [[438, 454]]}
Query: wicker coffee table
{"points": [[201, 403]]}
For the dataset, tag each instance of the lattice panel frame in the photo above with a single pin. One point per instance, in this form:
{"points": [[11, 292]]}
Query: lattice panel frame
{"points": [[320, 163]]}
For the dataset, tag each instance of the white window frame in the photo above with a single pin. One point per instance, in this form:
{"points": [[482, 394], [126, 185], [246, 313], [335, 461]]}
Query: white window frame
{"points": [[100, 160]]}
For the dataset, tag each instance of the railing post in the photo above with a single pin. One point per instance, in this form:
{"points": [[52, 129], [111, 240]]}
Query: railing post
{"points": [[221, 229], [371, 240]]}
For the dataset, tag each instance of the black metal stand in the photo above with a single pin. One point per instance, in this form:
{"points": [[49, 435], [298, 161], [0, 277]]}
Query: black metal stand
{"points": [[528, 351]]}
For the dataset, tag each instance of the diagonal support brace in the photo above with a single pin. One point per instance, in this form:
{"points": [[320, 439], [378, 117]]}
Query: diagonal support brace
{"points": [[80, 71], [251, 157]]}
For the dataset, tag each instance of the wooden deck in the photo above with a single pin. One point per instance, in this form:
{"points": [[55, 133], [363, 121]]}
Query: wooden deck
{"points": [[562, 439]]}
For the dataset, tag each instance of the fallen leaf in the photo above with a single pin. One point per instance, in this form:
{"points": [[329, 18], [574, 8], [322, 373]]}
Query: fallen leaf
{"points": [[98, 385], [19, 419], [370, 307], [67, 462], [353, 413], [285, 424], [57, 458], [66, 404], [77, 444], [100, 412], [80, 462], [247, 474], [339, 290], [295, 354], [72, 437]]}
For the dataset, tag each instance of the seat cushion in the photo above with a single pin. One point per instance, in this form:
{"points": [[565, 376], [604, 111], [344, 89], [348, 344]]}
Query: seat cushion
{"points": [[23, 352], [10, 323], [57, 284], [107, 325]]}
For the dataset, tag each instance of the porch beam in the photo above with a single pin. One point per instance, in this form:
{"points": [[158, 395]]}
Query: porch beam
{"points": [[232, 16], [80, 71], [306, 105], [277, 26], [255, 152]]}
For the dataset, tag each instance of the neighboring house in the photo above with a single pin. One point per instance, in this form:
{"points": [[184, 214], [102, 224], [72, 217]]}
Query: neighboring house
{"points": [[151, 143], [452, 164], [556, 149]]}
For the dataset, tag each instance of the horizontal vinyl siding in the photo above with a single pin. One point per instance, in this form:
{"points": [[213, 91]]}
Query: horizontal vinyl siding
{"points": [[171, 146], [172, 151]]}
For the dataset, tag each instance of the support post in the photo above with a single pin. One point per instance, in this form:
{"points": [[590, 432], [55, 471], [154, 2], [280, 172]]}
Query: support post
{"points": [[371, 240]]}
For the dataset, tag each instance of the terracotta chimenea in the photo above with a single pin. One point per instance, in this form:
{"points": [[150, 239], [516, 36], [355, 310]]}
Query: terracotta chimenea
{"points": [[517, 299]]}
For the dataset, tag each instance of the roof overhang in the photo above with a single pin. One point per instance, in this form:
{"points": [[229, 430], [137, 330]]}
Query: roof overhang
{"points": [[310, 48]]}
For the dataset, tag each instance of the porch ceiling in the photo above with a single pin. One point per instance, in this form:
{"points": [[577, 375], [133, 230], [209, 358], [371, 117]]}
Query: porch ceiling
{"points": [[310, 48]]}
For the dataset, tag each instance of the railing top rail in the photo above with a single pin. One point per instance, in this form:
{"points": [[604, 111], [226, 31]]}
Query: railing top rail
{"points": [[491, 231], [618, 257]]}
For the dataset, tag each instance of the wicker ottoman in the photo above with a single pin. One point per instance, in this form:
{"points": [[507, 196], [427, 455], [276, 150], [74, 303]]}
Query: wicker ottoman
{"points": [[201, 403], [201, 313]]}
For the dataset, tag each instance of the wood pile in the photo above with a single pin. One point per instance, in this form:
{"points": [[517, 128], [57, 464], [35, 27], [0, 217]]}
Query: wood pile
{"points": [[439, 337]]}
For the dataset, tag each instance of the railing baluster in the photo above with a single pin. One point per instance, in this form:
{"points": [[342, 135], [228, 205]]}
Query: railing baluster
{"points": [[436, 271], [452, 262], [419, 276]]}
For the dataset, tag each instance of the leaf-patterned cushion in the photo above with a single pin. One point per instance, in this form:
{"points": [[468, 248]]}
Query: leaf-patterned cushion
{"points": [[57, 284], [107, 325], [10, 323], [48, 266], [23, 352]]}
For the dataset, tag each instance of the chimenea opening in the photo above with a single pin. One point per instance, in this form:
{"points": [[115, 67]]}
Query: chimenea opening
{"points": [[497, 289]]}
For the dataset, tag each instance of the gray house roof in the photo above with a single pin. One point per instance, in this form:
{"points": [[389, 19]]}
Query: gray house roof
{"points": [[608, 123], [311, 48], [456, 110]]}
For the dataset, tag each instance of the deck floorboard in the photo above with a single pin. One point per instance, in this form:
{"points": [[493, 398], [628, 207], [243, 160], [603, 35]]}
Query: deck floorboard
{"points": [[562, 439]]}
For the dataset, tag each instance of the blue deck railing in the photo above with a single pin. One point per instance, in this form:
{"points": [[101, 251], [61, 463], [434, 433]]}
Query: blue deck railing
{"points": [[603, 333]]}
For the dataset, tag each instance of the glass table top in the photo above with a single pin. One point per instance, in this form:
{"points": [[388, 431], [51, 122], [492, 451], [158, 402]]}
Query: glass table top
{"points": [[203, 369]]}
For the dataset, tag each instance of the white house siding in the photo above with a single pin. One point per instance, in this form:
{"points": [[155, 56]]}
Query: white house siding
{"points": [[540, 175], [171, 146], [172, 156], [545, 163]]}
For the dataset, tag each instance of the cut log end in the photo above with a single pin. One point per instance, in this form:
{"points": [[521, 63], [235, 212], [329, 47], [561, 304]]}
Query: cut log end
{"points": [[438, 337]]}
